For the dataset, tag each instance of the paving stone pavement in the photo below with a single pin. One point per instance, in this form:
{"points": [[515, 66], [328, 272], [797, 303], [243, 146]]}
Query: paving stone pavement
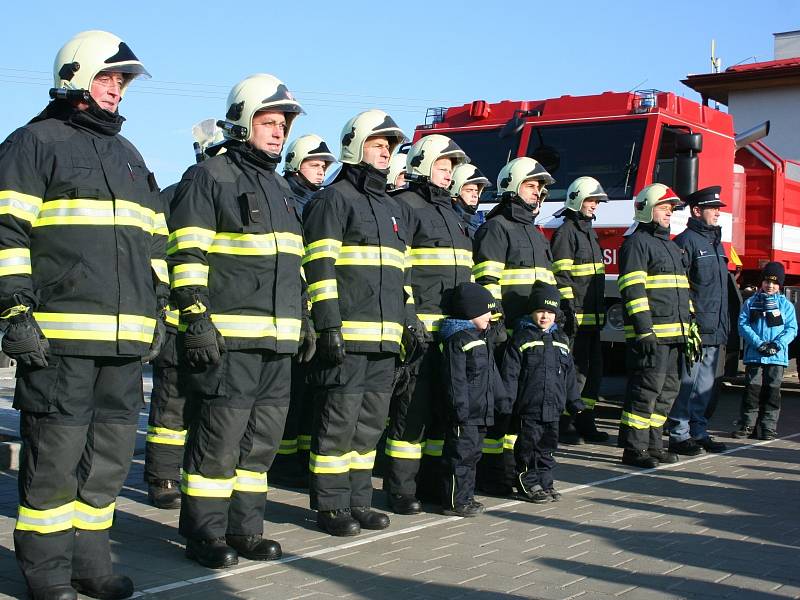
{"points": [[718, 526]]}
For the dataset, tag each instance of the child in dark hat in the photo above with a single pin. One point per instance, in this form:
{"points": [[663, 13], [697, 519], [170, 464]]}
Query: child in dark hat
{"points": [[539, 376], [767, 324], [472, 383]]}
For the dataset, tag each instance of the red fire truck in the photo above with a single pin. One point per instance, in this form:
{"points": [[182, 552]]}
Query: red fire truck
{"points": [[629, 140]]}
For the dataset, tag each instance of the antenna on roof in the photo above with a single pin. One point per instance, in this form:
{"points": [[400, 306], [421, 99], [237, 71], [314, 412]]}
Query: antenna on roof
{"points": [[636, 87], [716, 62]]}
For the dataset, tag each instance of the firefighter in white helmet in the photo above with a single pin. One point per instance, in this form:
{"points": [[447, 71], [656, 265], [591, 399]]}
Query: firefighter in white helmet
{"points": [[466, 188], [580, 273], [511, 255], [235, 249], [81, 305], [362, 308], [307, 160], [440, 259], [397, 170], [655, 291]]}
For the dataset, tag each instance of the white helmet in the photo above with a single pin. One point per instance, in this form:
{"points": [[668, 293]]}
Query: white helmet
{"points": [[304, 148], [365, 125], [397, 165], [464, 174], [207, 139], [579, 190], [652, 195], [422, 155], [519, 170], [251, 95], [90, 52]]}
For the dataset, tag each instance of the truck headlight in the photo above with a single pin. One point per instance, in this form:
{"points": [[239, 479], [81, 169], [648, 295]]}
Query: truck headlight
{"points": [[615, 317]]}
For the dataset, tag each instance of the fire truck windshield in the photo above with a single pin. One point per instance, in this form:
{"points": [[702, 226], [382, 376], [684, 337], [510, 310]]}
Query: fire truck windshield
{"points": [[487, 152]]}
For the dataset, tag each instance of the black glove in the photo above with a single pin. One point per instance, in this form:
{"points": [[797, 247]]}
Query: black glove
{"points": [[570, 319], [415, 340], [308, 341], [25, 342], [159, 337], [646, 345], [764, 349], [772, 349], [203, 343], [331, 345], [497, 334]]}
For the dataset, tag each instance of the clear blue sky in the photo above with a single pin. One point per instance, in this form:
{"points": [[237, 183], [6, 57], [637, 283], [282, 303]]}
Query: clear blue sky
{"points": [[343, 57]]}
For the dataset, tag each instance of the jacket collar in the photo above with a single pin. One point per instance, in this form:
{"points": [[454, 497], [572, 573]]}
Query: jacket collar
{"points": [[262, 161], [432, 194], [365, 178], [581, 222], [712, 232]]}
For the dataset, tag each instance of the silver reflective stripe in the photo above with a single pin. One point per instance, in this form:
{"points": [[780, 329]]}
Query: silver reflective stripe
{"points": [[14, 202], [48, 212], [135, 214], [136, 327], [267, 244], [226, 484], [29, 520], [90, 518], [77, 326], [342, 462]]}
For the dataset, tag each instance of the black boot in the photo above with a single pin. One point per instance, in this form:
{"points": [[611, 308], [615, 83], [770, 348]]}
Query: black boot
{"points": [[214, 554], [567, 434], [338, 522], [472, 509], [639, 458], [254, 547], [108, 587], [404, 505], [164, 493], [368, 518], [53, 592], [666, 457], [587, 427]]}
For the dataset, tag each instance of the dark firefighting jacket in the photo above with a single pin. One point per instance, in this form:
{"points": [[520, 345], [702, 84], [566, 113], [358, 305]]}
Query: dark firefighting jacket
{"points": [[511, 254], [579, 269], [235, 246], [653, 284], [355, 261], [82, 233], [708, 279], [538, 372], [440, 250], [470, 376], [167, 196], [301, 189], [470, 220]]}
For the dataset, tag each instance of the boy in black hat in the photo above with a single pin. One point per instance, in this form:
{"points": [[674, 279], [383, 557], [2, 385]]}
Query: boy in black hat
{"points": [[539, 376], [767, 324], [472, 383]]}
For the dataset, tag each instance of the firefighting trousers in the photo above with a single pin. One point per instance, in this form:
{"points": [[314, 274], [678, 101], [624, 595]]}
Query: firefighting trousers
{"points": [[351, 405], [292, 457], [78, 419], [460, 456], [169, 416], [587, 352], [242, 406], [653, 385], [411, 416], [534, 453], [761, 401], [496, 467]]}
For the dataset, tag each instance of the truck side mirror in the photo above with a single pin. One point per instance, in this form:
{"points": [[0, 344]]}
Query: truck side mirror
{"points": [[513, 127], [687, 163]]}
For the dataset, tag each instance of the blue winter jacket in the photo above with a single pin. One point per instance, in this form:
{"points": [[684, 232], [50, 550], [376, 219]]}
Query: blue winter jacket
{"points": [[757, 332]]}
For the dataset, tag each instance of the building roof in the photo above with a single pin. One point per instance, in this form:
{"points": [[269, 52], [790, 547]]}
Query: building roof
{"points": [[771, 73]]}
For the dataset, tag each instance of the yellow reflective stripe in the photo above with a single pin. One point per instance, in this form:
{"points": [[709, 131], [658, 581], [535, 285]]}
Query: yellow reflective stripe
{"points": [[585, 269], [526, 276], [189, 274], [409, 292], [589, 403], [564, 264], [159, 266], [473, 344], [325, 248], [15, 261], [667, 281], [508, 441], [304, 442], [370, 256], [250, 481], [563, 347], [325, 289], [527, 345], [160, 225], [96, 213], [164, 435], [362, 461], [172, 317], [46, 521], [19, 205], [657, 420], [289, 243], [433, 447], [288, 446], [206, 487], [590, 318], [632, 278], [76, 326], [367, 331], [495, 290], [635, 421], [401, 449], [135, 328], [329, 465], [488, 268], [431, 320], [566, 292], [638, 305], [257, 244], [662, 330], [89, 517], [253, 326], [190, 237], [132, 214], [420, 257], [492, 446]]}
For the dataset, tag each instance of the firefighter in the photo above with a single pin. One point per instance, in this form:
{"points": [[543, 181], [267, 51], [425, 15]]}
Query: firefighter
{"points": [[83, 285], [466, 188], [580, 273], [234, 251], [355, 267], [396, 179], [658, 328], [440, 259], [511, 254], [307, 160]]}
